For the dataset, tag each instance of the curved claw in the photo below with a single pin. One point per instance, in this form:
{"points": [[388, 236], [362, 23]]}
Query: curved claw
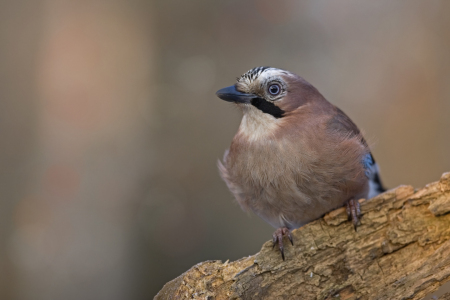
{"points": [[354, 212], [277, 238], [290, 238]]}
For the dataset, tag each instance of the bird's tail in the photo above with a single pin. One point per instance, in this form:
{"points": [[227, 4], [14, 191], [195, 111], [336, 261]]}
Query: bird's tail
{"points": [[373, 173]]}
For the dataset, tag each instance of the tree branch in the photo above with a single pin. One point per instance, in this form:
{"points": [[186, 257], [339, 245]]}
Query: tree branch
{"points": [[400, 251]]}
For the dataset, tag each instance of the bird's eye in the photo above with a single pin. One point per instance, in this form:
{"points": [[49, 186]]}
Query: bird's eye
{"points": [[274, 89]]}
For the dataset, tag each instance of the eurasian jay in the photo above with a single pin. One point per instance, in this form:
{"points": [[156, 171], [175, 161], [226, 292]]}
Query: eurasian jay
{"points": [[295, 156]]}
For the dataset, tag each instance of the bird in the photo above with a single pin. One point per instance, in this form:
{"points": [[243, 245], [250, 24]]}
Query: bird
{"points": [[295, 155]]}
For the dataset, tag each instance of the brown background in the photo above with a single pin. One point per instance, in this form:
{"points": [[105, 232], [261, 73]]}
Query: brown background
{"points": [[111, 130]]}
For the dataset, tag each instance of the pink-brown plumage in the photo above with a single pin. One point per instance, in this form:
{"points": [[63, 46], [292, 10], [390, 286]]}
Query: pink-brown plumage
{"points": [[292, 167]]}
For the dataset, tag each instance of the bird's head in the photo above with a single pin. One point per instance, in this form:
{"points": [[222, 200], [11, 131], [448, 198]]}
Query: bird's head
{"points": [[272, 91]]}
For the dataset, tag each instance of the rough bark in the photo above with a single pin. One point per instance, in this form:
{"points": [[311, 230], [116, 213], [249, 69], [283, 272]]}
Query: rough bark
{"points": [[400, 251]]}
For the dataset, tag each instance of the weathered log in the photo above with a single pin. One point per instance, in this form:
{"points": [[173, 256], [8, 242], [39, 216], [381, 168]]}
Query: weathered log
{"points": [[400, 251]]}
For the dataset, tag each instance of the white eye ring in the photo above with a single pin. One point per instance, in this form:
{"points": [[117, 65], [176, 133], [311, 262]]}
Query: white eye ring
{"points": [[274, 89]]}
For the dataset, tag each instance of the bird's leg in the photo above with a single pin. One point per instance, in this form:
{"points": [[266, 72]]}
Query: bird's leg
{"points": [[278, 238], [354, 212]]}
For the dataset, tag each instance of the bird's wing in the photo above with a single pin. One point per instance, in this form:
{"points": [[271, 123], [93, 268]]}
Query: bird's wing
{"points": [[341, 123]]}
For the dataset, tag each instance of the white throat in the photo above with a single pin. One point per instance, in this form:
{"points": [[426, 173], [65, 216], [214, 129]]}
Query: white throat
{"points": [[256, 125]]}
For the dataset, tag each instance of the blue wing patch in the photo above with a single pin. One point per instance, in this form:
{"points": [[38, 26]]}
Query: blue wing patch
{"points": [[373, 174]]}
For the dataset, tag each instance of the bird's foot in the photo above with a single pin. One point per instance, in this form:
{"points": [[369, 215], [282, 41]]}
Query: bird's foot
{"points": [[354, 212], [278, 238]]}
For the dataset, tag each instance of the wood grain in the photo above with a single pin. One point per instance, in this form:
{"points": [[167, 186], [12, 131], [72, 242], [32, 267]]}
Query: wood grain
{"points": [[400, 251]]}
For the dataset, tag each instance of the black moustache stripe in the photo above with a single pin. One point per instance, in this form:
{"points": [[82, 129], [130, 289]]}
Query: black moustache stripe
{"points": [[267, 107]]}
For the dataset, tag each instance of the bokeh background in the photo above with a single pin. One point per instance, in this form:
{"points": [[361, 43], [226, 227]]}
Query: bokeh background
{"points": [[110, 129]]}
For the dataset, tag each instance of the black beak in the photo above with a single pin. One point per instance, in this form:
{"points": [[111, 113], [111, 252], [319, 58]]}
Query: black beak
{"points": [[232, 95]]}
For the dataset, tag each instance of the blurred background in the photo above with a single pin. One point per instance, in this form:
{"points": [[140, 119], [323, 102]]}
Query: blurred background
{"points": [[111, 129]]}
